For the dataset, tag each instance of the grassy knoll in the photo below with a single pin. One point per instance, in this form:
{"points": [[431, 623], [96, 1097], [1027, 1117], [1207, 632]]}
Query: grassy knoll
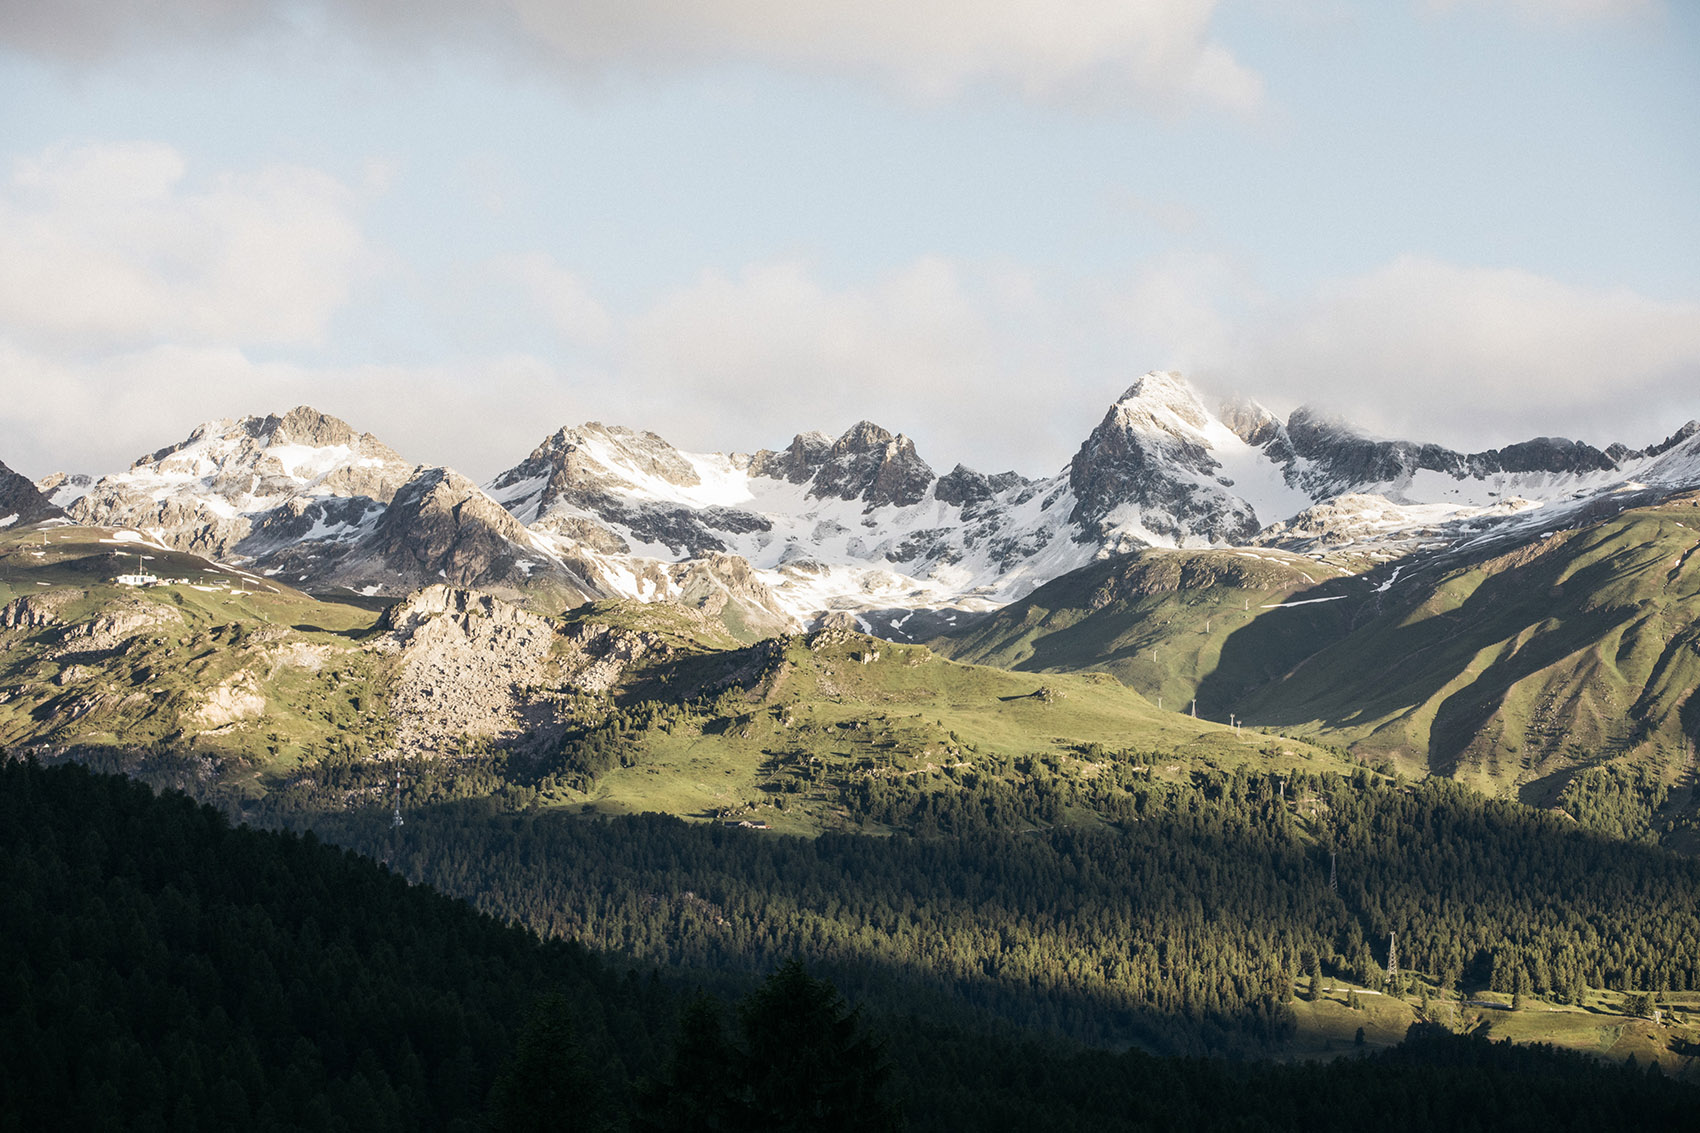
{"points": [[219, 665], [792, 721]]}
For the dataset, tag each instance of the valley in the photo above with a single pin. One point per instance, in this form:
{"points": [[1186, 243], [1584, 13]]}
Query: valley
{"points": [[1153, 774]]}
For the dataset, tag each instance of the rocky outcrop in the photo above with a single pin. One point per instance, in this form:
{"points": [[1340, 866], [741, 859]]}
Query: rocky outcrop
{"points": [[441, 526], [796, 464], [118, 622], [1149, 459], [36, 611], [63, 489], [467, 662], [238, 698], [870, 464], [21, 501], [726, 588]]}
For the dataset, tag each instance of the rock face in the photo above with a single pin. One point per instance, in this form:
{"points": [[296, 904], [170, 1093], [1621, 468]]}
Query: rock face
{"points": [[237, 698], [242, 490], [728, 589], [119, 622], [1151, 456], [608, 488], [63, 489], [439, 525], [796, 464], [466, 661], [21, 501], [1340, 455], [867, 463], [36, 611], [965, 487], [470, 664]]}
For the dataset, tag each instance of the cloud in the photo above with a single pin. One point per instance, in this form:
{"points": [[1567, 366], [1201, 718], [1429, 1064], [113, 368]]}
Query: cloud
{"points": [[103, 245], [561, 297], [97, 415], [1560, 11], [1158, 51], [1481, 356], [970, 361], [981, 364]]}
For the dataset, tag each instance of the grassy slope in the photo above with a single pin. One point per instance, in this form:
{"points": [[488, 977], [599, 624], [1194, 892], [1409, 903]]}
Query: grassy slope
{"points": [[1328, 1027], [1162, 622], [1512, 673], [842, 705], [1509, 673], [302, 656], [849, 704]]}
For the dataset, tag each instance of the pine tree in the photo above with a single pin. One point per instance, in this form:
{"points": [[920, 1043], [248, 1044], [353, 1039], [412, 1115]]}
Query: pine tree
{"points": [[808, 1063], [550, 1084]]}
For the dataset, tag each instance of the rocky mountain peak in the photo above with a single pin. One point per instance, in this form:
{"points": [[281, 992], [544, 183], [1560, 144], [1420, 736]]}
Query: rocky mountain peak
{"points": [[870, 464], [580, 467], [241, 445], [276, 479], [798, 462], [1151, 454], [1162, 392], [440, 525], [863, 436], [964, 486], [21, 501], [1251, 422], [63, 489], [305, 425], [1621, 452]]}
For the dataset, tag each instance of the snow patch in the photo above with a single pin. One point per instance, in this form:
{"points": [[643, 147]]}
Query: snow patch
{"points": [[1304, 602]]}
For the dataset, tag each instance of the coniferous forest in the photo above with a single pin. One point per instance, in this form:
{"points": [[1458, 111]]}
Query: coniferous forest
{"points": [[165, 970]]}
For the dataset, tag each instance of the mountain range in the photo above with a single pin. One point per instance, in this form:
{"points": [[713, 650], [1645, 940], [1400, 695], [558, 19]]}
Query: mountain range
{"points": [[854, 527]]}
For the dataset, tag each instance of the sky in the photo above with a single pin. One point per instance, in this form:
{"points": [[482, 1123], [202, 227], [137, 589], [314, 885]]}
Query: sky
{"points": [[463, 224]]}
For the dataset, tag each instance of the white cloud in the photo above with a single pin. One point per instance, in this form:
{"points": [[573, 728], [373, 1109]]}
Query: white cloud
{"points": [[1477, 356], [104, 245], [561, 297], [1183, 310], [98, 414], [1062, 48], [1561, 11], [1160, 51], [970, 362]]}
